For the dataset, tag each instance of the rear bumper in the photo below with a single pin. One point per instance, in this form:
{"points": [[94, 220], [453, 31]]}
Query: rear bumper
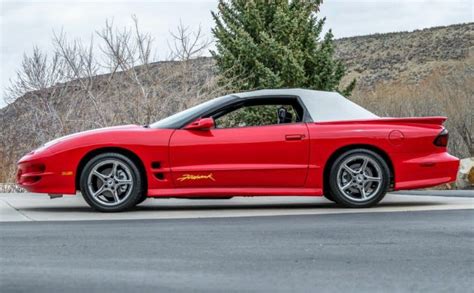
{"points": [[425, 171]]}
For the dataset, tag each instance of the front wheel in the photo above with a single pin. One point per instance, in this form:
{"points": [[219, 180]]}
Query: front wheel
{"points": [[359, 178], [111, 182]]}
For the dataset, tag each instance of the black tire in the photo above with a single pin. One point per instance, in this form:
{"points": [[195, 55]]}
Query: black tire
{"points": [[143, 198], [329, 196], [348, 184], [132, 184]]}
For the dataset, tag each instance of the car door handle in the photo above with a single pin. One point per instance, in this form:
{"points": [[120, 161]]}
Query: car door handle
{"points": [[294, 136]]}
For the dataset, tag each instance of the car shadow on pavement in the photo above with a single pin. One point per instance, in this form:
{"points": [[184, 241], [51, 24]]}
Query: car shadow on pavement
{"points": [[213, 207], [276, 206]]}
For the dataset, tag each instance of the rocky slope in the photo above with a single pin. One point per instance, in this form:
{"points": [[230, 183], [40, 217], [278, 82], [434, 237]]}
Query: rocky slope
{"points": [[408, 56]]}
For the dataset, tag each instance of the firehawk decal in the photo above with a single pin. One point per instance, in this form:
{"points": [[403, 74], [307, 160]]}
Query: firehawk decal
{"points": [[185, 177]]}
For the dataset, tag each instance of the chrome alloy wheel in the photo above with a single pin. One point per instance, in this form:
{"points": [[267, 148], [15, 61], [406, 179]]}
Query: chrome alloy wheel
{"points": [[110, 182], [359, 178]]}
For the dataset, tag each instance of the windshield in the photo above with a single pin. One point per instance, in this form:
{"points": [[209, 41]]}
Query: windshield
{"points": [[183, 116]]}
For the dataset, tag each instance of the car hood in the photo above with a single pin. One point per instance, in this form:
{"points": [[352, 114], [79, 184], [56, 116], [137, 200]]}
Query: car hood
{"points": [[125, 136], [93, 132]]}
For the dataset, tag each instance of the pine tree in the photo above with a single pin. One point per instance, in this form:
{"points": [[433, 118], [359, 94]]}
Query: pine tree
{"points": [[275, 44]]}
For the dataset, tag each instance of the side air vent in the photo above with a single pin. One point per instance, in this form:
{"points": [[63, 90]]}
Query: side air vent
{"points": [[160, 176], [156, 165]]}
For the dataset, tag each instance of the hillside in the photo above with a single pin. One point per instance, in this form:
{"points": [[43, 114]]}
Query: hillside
{"points": [[424, 72], [410, 56]]}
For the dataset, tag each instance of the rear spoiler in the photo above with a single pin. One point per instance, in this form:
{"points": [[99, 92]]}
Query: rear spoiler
{"points": [[433, 120]]}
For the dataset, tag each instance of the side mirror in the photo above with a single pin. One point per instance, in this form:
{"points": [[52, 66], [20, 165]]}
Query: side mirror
{"points": [[201, 124]]}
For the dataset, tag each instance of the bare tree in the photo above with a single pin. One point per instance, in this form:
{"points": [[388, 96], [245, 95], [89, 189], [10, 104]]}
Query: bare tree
{"points": [[447, 93], [82, 67], [187, 44], [129, 50], [37, 73], [113, 81]]}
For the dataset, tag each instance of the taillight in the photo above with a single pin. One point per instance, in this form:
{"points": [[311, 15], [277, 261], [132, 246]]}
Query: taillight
{"points": [[442, 139]]}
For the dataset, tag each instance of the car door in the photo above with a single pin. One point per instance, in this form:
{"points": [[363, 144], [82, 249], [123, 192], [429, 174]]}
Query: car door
{"points": [[257, 156]]}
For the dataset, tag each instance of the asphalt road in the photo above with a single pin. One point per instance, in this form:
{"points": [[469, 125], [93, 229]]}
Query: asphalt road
{"points": [[408, 251], [407, 243]]}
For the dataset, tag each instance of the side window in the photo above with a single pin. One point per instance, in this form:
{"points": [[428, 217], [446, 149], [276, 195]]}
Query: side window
{"points": [[259, 115]]}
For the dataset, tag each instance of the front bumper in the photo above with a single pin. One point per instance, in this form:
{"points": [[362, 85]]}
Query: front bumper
{"points": [[45, 174]]}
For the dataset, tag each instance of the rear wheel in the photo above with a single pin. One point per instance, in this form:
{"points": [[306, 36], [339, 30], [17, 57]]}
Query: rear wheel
{"points": [[359, 178], [111, 182], [329, 196]]}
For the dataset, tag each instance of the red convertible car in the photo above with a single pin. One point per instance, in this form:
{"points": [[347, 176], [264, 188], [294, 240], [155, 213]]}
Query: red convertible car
{"points": [[260, 143]]}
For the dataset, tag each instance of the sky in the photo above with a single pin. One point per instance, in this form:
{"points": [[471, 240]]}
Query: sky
{"points": [[24, 24]]}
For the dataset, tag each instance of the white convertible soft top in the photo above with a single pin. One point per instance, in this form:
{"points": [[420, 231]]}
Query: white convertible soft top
{"points": [[321, 105]]}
